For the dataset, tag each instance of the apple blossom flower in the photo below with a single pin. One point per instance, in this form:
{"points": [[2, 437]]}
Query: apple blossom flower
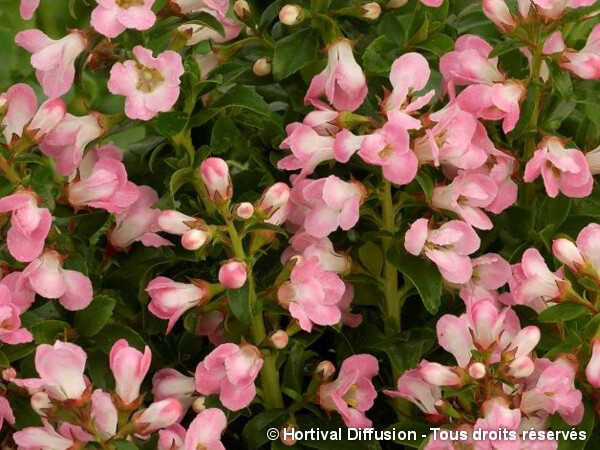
{"points": [[490, 272], [349, 319], [194, 232], [273, 202], [171, 438], [414, 388], [170, 299], [29, 225], [216, 178], [588, 242], [24, 296], [150, 85], [139, 222], [309, 149], [104, 413], [553, 9], [499, 416], [592, 370], [308, 246], [129, 367], [46, 276], [158, 415], [352, 393], [112, 17], [312, 295], [101, 182], [342, 82], [230, 371], [27, 8], [584, 63], [465, 196], [60, 367], [206, 429], [563, 169], [6, 412], [448, 247], [68, 140], [233, 274], [497, 11], [389, 148], [54, 60], [10, 322], [169, 383], [43, 438]]}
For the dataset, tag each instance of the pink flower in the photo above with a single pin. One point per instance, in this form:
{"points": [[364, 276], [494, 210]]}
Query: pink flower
{"points": [[490, 272], [6, 412], [586, 62], [27, 8], [193, 231], [150, 85], [211, 325], [46, 276], [139, 222], [352, 393], [60, 367], [588, 242], [129, 367], [592, 370], [54, 61], [158, 415], [42, 438], [533, 284], [469, 63], [112, 17], [312, 295], [309, 149], [205, 430], [102, 182], [230, 371], [439, 375], [233, 274], [273, 202], [10, 323], [414, 388], [216, 178], [465, 196], [24, 296], [308, 246], [332, 203], [553, 9], [498, 415], [104, 413], [567, 253], [217, 7], [169, 299], [168, 383], [199, 33], [497, 11], [343, 81], [389, 148], [448, 247], [68, 140], [29, 225], [171, 438], [563, 169]]}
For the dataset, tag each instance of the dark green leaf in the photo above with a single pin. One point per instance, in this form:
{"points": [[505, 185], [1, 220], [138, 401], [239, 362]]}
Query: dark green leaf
{"points": [[91, 320], [380, 54], [170, 123], [293, 52], [112, 332], [437, 43], [239, 303], [562, 313], [48, 332], [243, 97], [255, 431]]}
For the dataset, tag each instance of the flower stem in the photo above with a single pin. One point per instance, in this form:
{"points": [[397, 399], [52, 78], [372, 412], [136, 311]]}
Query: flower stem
{"points": [[9, 172], [390, 274]]}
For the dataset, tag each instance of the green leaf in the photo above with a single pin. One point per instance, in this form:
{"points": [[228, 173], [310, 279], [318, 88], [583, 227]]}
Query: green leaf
{"points": [[226, 135], [426, 184], [371, 258], [91, 320], [170, 123], [124, 445], [505, 46], [16, 352], [553, 211], [243, 97], [562, 81], [112, 332], [401, 433], [562, 313], [181, 178], [239, 303], [437, 43], [47, 332], [422, 273], [380, 54], [293, 52], [4, 362], [255, 431]]}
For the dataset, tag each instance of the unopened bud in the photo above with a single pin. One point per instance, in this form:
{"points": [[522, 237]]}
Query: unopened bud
{"points": [[279, 339], [9, 374], [439, 375], [199, 405], [521, 367], [244, 210], [477, 371], [194, 239], [233, 274], [215, 175], [287, 434], [241, 9], [567, 253], [325, 370], [261, 67], [371, 10], [291, 15]]}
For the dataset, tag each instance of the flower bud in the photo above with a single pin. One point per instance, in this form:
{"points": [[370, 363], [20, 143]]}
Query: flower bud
{"points": [[194, 239], [497, 11], [9, 374], [262, 67], [244, 210], [477, 371], [199, 404], [438, 375], [279, 339], [393, 4], [521, 367], [158, 415], [241, 9], [287, 434], [325, 370], [233, 274], [40, 402], [215, 175], [291, 15], [567, 253], [273, 199], [370, 10], [50, 113], [592, 371]]}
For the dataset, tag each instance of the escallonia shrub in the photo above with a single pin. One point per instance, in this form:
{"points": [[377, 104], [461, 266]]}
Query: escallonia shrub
{"points": [[225, 222]]}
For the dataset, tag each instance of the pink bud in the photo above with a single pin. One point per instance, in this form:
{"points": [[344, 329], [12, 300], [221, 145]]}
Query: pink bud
{"points": [[325, 370], [499, 14], [279, 339], [47, 117], [233, 274], [215, 174], [477, 370], [371, 10], [568, 253], [592, 371], [158, 415], [9, 374], [291, 15], [262, 67], [521, 367], [199, 404], [241, 9], [287, 435], [244, 210], [129, 367], [438, 375], [194, 239]]}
